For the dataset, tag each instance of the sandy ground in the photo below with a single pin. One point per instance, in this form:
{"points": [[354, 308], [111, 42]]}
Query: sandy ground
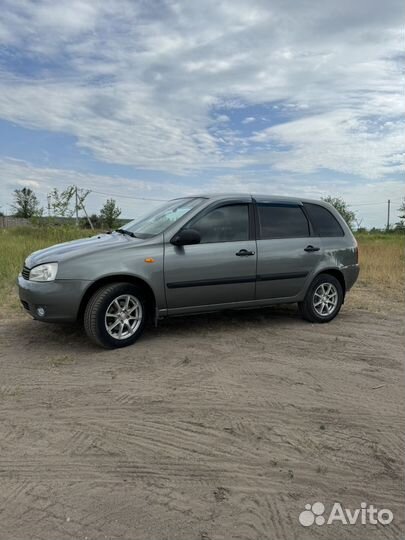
{"points": [[211, 427]]}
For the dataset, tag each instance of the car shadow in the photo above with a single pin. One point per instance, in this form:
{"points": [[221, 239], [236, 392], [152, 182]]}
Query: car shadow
{"points": [[72, 337], [225, 320]]}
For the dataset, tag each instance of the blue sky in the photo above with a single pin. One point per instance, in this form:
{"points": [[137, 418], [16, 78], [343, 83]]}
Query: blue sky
{"points": [[165, 98]]}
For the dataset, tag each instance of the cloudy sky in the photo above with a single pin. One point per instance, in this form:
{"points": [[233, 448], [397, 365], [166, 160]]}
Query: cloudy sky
{"points": [[158, 99]]}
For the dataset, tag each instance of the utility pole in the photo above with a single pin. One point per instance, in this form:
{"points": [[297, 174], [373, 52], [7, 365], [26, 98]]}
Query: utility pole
{"points": [[388, 214], [87, 216], [76, 207], [80, 198]]}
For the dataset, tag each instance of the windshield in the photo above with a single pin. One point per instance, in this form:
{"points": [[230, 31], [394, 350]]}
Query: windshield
{"points": [[161, 218]]}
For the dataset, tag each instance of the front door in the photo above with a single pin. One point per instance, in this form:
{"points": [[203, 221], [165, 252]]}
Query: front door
{"points": [[287, 253], [221, 268]]}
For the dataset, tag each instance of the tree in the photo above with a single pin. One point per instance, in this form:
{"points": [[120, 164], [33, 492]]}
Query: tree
{"points": [[95, 220], [400, 225], [60, 201], [343, 208], [110, 213], [26, 204], [401, 210]]}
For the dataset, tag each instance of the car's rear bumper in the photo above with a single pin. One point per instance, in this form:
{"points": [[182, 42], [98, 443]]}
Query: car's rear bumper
{"points": [[350, 273], [60, 299]]}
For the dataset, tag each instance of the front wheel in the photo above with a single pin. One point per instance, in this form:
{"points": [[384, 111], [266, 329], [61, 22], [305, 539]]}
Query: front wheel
{"points": [[115, 315], [323, 300]]}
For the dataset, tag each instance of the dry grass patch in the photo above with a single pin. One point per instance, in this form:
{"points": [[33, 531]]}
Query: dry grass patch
{"points": [[380, 287], [382, 261]]}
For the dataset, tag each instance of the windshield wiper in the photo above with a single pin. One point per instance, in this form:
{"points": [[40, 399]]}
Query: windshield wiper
{"points": [[124, 231]]}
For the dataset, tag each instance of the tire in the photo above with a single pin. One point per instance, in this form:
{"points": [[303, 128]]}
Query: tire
{"points": [[313, 308], [108, 311]]}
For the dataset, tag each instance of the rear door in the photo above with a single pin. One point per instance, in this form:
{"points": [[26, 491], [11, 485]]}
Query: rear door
{"points": [[287, 253], [222, 268], [338, 246]]}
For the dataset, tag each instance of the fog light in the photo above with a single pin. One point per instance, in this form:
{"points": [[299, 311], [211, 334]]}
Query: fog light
{"points": [[40, 311]]}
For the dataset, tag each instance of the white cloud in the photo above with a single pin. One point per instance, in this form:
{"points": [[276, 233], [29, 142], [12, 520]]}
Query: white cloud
{"points": [[136, 82], [338, 141], [222, 118], [248, 120], [33, 184], [127, 190]]}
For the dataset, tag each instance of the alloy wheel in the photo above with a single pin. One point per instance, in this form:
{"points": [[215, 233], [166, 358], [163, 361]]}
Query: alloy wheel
{"points": [[123, 316], [325, 299]]}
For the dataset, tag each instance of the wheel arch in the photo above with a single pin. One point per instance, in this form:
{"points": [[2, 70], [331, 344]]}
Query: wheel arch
{"points": [[119, 278], [338, 274]]}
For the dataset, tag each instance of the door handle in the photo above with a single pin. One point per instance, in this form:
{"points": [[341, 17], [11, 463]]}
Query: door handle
{"points": [[244, 253], [311, 248]]}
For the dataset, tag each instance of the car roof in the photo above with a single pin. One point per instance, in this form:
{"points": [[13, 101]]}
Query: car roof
{"points": [[259, 197]]}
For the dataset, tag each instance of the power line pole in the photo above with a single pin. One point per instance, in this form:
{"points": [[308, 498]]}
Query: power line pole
{"points": [[388, 214], [76, 207], [87, 216]]}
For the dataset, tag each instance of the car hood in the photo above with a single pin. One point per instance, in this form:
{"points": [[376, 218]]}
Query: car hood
{"points": [[77, 248]]}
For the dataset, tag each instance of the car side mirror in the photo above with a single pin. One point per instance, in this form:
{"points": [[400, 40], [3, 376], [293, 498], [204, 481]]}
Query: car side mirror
{"points": [[186, 237]]}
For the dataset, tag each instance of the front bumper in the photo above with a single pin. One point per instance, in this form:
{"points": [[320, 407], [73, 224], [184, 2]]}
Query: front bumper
{"points": [[60, 299]]}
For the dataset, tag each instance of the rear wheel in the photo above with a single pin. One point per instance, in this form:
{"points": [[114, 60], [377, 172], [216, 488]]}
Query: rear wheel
{"points": [[115, 315], [323, 300]]}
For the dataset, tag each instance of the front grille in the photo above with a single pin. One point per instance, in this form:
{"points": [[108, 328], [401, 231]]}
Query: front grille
{"points": [[25, 305], [25, 272]]}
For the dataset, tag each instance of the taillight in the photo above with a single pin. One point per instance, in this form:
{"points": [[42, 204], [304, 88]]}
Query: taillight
{"points": [[356, 254]]}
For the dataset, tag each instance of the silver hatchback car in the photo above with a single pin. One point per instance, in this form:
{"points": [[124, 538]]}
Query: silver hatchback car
{"points": [[196, 254]]}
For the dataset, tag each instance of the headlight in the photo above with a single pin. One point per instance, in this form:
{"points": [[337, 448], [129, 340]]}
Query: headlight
{"points": [[44, 272]]}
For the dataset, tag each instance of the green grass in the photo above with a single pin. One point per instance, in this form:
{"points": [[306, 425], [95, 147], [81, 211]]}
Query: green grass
{"points": [[17, 243]]}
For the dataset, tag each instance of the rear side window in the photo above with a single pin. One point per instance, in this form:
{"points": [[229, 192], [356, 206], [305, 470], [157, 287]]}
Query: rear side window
{"points": [[223, 224], [282, 221], [323, 222]]}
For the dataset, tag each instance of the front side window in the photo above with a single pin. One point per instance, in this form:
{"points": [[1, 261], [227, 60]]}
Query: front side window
{"points": [[224, 224], [162, 218], [282, 221], [323, 222]]}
